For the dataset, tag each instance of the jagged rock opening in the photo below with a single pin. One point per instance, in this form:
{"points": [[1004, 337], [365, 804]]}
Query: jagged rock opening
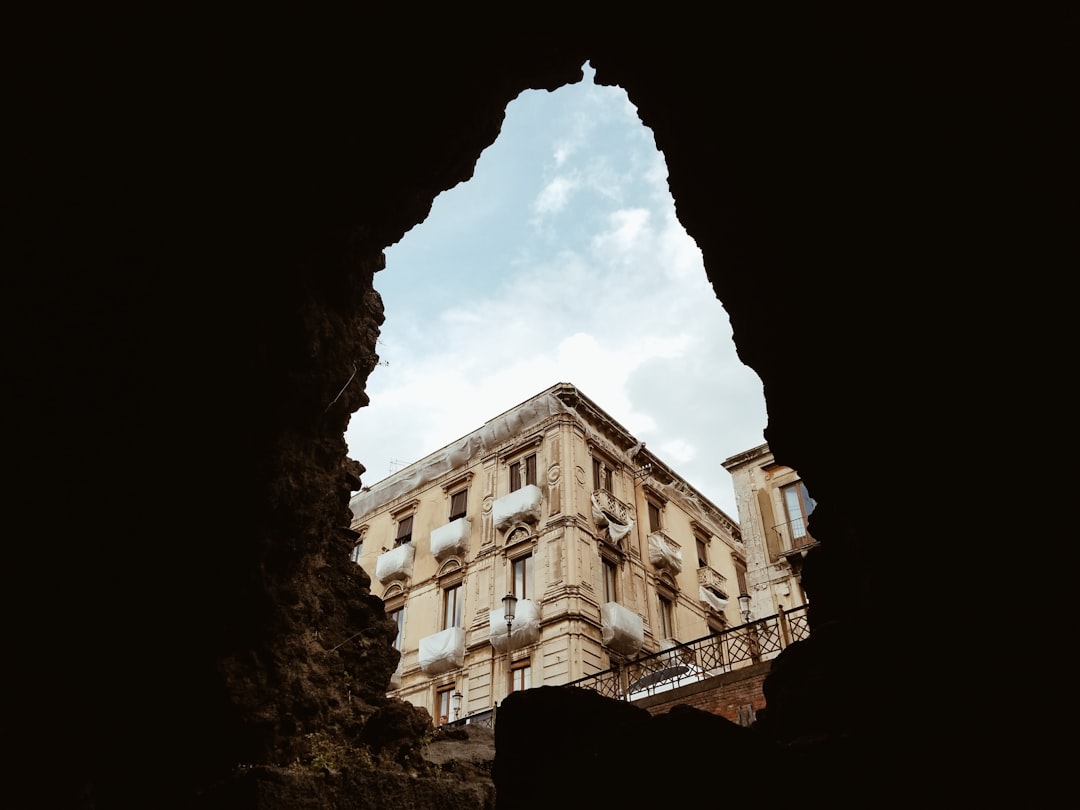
{"points": [[194, 250]]}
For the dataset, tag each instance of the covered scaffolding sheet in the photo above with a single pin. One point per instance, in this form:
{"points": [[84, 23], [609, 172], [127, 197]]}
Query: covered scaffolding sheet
{"points": [[476, 445], [664, 555], [623, 630], [712, 599], [524, 631], [443, 651], [397, 563]]}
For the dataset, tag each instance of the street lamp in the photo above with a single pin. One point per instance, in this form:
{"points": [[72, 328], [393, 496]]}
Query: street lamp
{"points": [[509, 605], [744, 606], [752, 630], [455, 701]]}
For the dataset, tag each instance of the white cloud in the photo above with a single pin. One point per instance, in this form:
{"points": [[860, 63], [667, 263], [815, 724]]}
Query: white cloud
{"points": [[611, 296], [554, 196]]}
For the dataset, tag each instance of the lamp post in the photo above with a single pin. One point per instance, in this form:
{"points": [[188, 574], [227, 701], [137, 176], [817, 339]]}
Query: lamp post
{"points": [[509, 606], [744, 606], [455, 701], [751, 629]]}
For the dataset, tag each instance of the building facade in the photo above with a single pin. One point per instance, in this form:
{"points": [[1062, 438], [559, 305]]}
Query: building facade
{"points": [[607, 553], [774, 510]]}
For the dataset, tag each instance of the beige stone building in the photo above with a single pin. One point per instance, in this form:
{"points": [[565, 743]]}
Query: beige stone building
{"points": [[774, 510], [609, 554]]}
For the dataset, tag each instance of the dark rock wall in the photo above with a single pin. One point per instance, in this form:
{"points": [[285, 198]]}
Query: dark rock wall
{"points": [[200, 208]]}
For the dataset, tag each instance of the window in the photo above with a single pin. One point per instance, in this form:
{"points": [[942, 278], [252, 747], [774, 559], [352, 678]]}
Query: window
{"points": [[667, 616], [523, 473], [452, 606], [602, 475], [740, 576], [442, 703], [702, 553], [522, 577], [798, 504], [397, 615], [457, 504], [521, 677], [404, 531], [609, 572], [654, 516], [357, 551]]}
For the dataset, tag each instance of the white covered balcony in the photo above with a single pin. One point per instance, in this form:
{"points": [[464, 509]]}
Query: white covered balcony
{"points": [[451, 539], [623, 630], [395, 564], [712, 599], [442, 652], [520, 506], [665, 553], [524, 631]]}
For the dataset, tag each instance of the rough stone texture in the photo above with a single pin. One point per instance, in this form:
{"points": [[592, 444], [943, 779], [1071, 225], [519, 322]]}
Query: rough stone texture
{"points": [[200, 208]]}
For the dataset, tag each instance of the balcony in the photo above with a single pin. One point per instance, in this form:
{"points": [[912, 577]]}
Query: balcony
{"points": [[442, 652], [395, 564], [524, 631], [451, 539], [606, 507], [665, 553], [623, 630], [726, 651], [711, 578], [520, 506], [795, 541]]}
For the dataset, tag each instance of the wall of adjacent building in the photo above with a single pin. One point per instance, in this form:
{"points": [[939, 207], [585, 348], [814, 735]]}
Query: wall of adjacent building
{"points": [[772, 578]]}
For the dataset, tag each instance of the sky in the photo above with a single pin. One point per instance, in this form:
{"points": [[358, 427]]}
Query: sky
{"points": [[561, 260]]}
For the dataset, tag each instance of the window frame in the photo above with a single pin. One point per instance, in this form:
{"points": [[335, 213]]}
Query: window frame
{"points": [[462, 509], [609, 578], [603, 471], [523, 471], [444, 693], [404, 516], [397, 614], [456, 604], [524, 670], [528, 562], [665, 608], [803, 502]]}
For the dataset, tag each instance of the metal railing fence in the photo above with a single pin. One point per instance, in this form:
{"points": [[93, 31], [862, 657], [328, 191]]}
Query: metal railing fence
{"points": [[726, 651]]}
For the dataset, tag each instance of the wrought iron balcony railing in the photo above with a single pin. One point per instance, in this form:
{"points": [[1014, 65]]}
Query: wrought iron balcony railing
{"points": [[737, 647], [759, 640], [611, 507], [794, 536], [711, 578]]}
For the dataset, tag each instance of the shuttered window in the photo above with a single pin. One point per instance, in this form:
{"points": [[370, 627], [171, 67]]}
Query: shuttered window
{"points": [[457, 504], [404, 531]]}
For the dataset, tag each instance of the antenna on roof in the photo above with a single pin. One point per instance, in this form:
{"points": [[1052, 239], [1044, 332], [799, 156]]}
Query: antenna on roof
{"points": [[396, 465]]}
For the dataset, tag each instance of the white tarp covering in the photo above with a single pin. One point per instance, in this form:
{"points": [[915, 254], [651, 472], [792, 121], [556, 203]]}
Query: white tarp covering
{"points": [[397, 563], [524, 631], [395, 679], [623, 630], [443, 651], [617, 528], [712, 599], [664, 555], [617, 531], [477, 444], [453, 538], [521, 505]]}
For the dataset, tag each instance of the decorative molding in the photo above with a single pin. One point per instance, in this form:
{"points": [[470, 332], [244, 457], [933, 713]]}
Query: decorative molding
{"points": [[520, 448], [405, 509], [457, 482]]}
